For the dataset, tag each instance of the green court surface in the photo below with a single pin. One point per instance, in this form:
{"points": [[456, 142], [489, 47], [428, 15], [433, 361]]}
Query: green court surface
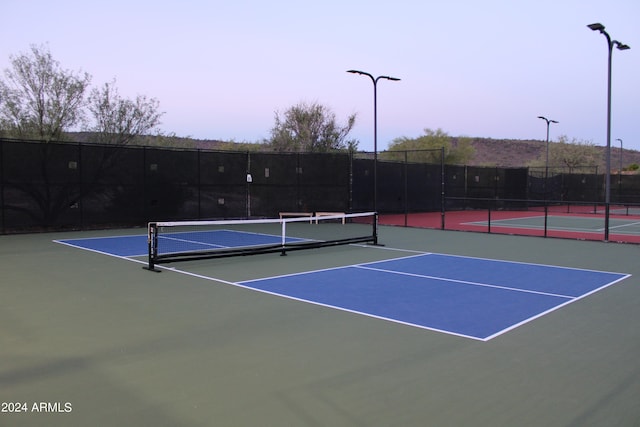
{"points": [[94, 340], [568, 223]]}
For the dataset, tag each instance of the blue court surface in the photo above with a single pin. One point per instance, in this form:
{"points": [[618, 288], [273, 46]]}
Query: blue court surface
{"points": [[120, 246], [132, 246], [469, 297]]}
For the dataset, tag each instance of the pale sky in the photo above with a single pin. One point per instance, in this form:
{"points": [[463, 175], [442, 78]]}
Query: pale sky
{"points": [[221, 69]]}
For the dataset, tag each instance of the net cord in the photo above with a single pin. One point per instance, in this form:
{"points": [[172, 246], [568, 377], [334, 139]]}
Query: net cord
{"points": [[258, 221]]}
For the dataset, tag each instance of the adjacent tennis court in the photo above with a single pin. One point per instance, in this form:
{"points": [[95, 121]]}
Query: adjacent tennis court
{"points": [[427, 327], [582, 222], [565, 223]]}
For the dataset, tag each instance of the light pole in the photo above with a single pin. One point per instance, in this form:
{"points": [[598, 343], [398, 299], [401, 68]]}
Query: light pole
{"points": [[546, 169], [607, 180], [620, 170], [375, 130]]}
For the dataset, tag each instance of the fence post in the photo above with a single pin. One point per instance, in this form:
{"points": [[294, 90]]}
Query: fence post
{"points": [[2, 230], [406, 191], [546, 216], [442, 189]]}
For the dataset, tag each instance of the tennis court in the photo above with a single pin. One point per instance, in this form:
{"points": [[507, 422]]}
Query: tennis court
{"points": [[430, 328], [566, 223], [583, 222]]}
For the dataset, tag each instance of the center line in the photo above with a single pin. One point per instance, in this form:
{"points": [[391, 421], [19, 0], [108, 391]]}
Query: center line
{"points": [[466, 282]]}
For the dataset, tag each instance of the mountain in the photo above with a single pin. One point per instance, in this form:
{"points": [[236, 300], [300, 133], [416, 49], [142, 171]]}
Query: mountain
{"points": [[516, 153], [488, 152]]}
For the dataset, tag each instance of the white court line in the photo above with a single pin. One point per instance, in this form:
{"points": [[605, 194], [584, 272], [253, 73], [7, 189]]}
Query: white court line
{"points": [[128, 257], [631, 224], [361, 313], [464, 282], [552, 309], [193, 242], [364, 266], [506, 223]]}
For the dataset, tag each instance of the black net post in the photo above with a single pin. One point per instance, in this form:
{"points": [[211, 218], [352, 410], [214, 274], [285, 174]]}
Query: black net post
{"points": [[152, 244], [375, 228]]}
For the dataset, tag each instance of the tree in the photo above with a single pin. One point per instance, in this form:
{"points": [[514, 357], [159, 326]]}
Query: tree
{"points": [[427, 148], [311, 128], [570, 154], [118, 121], [40, 99]]}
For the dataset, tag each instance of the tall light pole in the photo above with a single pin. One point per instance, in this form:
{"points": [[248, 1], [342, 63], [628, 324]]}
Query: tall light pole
{"points": [[546, 169], [607, 181], [620, 170], [375, 130]]}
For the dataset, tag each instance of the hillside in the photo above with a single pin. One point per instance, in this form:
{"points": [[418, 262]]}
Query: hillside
{"points": [[514, 153], [488, 152], [508, 153]]}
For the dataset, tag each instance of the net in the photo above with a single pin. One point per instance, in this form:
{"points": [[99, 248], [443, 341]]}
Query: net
{"points": [[192, 240]]}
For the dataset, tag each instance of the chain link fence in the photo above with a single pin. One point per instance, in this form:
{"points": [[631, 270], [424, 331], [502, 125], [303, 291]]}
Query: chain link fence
{"points": [[56, 186]]}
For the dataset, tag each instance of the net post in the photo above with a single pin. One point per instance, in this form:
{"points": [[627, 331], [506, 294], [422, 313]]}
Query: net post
{"points": [[375, 230], [283, 251], [152, 245]]}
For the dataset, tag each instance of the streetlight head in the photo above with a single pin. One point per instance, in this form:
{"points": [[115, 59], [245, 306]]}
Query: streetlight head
{"points": [[622, 46], [395, 79], [547, 120], [355, 72], [596, 27]]}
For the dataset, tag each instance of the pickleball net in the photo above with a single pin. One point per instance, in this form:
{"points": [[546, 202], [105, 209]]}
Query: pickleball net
{"points": [[173, 241]]}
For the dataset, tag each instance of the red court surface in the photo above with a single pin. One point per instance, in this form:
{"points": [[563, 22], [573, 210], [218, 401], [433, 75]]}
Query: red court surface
{"points": [[623, 228]]}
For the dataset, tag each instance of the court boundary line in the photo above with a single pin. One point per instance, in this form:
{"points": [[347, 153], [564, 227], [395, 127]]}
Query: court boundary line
{"points": [[465, 282], [501, 223], [443, 331], [128, 257], [319, 270], [417, 253], [504, 222], [569, 299], [558, 307], [531, 263], [333, 307], [249, 288], [634, 223]]}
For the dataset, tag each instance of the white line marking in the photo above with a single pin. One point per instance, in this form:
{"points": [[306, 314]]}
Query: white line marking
{"points": [[364, 266], [464, 282]]}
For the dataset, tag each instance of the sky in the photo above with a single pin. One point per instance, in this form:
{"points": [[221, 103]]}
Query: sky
{"points": [[223, 69]]}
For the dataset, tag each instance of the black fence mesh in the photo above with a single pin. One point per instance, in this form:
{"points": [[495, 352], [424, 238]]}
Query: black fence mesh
{"points": [[113, 185], [362, 184], [76, 186]]}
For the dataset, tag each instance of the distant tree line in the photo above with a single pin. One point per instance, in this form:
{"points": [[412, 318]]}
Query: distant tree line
{"points": [[41, 100], [569, 155], [429, 148]]}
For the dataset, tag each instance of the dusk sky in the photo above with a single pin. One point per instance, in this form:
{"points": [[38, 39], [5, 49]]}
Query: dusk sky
{"points": [[221, 69]]}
